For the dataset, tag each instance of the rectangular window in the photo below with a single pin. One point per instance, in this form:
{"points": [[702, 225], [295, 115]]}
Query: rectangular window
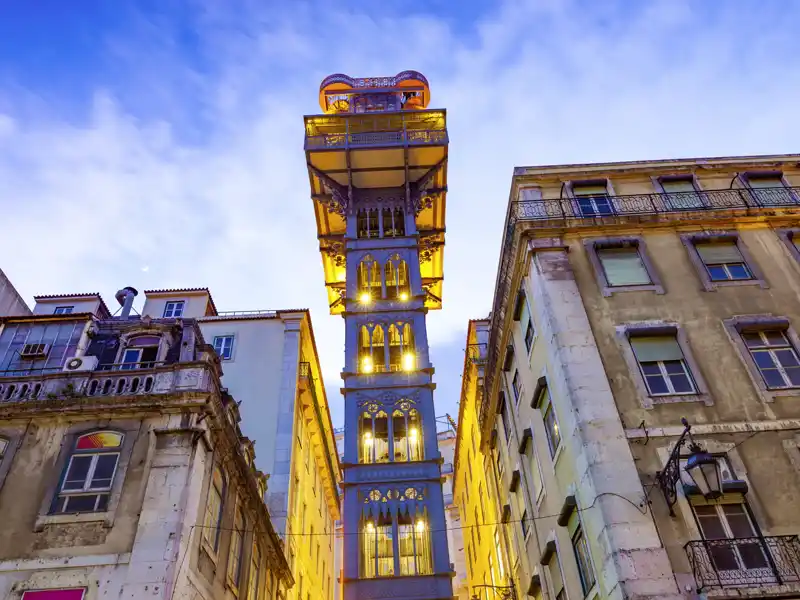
{"points": [[663, 366], [173, 309], [529, 331], [582, 557], [87, 483], [592, 200], [254, 584], [516, 384], [730, 522], [775, 357], [213, 514], [223, 345], [236, 548], [723, 261], [536, 474], [63, 310], [681, 193], [623, 266], [551, 429], [524, 523]]}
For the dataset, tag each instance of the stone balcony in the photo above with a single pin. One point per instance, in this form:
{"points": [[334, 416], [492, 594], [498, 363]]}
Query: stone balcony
{"points": [[158, 379]]}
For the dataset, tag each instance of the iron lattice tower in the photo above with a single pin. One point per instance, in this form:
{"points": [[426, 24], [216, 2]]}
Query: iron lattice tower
{"points": [[377, 165]]}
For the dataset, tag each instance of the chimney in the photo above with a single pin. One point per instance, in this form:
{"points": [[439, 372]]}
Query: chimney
{"points": [[125, 298]]}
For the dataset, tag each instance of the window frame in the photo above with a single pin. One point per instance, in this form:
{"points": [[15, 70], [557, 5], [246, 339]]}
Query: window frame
{"points": [[746, 178], [548, 434], [627, 331], [658, 184], [735, 326], [576, 538], [691, 240], [213, 548], [130, 431], [64, 310], [569, 188], [172, 304], [223, 336], [594, 245]]}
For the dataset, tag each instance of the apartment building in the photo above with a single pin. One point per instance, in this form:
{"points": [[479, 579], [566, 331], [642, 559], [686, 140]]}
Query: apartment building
{"points": [[640, 379], [270, 364], [123, 469]]}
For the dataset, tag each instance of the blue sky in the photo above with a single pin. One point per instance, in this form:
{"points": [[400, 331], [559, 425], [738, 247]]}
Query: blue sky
{"points": [[160, 143]]}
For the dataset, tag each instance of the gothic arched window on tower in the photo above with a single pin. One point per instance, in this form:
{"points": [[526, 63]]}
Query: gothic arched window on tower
{"points": [[369, 280], [370, 353], [397, 283], [394, 222], [414, 544], [367, 223], [406, 435], [374, 438], [401, 348], [377, 547]]}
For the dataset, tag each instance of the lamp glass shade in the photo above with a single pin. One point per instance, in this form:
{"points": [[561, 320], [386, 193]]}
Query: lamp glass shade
{"points": [[705, 473]]}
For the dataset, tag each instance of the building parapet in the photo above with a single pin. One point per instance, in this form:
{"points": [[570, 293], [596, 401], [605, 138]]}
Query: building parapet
{"points": [[161, 379]]}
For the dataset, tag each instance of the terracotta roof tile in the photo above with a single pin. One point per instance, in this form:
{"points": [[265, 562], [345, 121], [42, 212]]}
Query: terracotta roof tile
{"points": [[81, 295]]}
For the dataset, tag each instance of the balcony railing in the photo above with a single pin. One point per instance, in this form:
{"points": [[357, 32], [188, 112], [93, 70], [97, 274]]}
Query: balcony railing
{"points": [[414, 137], [109, 380], [590, 209], [650, 204], [745, 562]]}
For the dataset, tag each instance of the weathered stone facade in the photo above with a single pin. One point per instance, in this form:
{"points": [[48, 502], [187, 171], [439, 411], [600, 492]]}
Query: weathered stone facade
{"points": [[631, 295], [154, 522]]}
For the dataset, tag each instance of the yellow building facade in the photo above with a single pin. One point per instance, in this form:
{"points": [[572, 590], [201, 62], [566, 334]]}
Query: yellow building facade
{"points": [[631, 296]]}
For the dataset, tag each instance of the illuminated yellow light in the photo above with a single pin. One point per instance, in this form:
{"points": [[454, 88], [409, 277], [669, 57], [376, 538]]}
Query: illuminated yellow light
{"points": [[408, 361], [370, 527], [412, 434], [404, 296], [366, 365], [420, 526], [367, 439], [365, 298]]}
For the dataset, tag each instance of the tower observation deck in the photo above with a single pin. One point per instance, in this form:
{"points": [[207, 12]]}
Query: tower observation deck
{"points": [[377, 166]]}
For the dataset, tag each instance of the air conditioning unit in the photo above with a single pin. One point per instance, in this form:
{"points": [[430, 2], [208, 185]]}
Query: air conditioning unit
{"points": [[31, 351], [81, 363]]}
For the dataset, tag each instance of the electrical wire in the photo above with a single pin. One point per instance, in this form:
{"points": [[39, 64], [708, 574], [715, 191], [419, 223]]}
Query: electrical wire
{"points": [[641, 507]]}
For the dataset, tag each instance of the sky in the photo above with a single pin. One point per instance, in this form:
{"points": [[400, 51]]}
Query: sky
{"points": [[159, 143]]}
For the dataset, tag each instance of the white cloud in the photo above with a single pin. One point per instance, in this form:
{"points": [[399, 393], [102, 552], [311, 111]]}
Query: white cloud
{"points": [[191, 163]]}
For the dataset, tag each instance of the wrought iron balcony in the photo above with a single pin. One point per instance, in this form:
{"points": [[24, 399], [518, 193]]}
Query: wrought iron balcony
{"points": [[745, 562], [650, 204]]}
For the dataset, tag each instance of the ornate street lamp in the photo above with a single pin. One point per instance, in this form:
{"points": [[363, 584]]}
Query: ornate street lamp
{"points": [[701, 466]]}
